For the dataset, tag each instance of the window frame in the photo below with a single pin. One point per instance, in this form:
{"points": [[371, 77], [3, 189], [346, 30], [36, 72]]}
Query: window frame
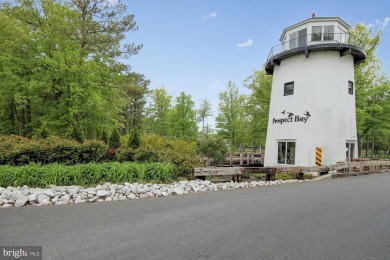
{"points": [[350, 150], [315, 36], [328, 35], [350, 87], [293, 40], [288, 91], [287, 155]]}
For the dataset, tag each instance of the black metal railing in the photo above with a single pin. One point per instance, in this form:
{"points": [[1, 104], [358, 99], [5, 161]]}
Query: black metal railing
{"points": [[315, 39]]}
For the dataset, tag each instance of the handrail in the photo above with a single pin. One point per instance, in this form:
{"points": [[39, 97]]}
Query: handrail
{"points": [[315, 39]]}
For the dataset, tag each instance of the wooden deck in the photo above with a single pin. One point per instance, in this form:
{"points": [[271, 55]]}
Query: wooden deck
{"points": [[354, 168], [244, 159]]}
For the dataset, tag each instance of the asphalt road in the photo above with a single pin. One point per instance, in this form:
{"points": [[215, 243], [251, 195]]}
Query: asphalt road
{"points": [[347, 218]]}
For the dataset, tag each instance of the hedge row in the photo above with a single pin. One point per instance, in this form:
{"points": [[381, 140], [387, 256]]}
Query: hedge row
{"points": [[16, 150], [35, 175]]}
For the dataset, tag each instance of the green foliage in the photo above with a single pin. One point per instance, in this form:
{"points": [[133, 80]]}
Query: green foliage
{"points": [[134, 139], [43, 133], [213, 148], [183, 118], [115, 139], [231, 121], [181, 153], [372, 93], [58, 65], [104, 137], [134, 88], [125, 154], [258, 107], [76, 134], [178, 121], [203, 113], [16, 150], [34, 175], [157, 114]]}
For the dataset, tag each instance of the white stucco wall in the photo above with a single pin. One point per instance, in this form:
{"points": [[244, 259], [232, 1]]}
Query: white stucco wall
{"points": [[321, 88]]}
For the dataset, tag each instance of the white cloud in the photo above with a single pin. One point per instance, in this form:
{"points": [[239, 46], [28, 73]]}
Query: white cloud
{"points": [[113, 2], [212, 15], [383, 24], [248, 43], [378, 24]]}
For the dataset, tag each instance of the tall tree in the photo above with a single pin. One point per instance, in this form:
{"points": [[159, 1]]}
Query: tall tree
{"points": [[134, 88], [258, 106], [372, 89], [204, 112], [16, 69], [183, 118], [230, 115], [70, 52], [158, 112]]}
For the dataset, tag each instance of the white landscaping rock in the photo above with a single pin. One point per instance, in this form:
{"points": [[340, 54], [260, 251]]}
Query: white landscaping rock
{"points": [[178, 191], [49, 193], [21, 202], [41, 197], [101, 193], [157, 193], [58, 195], [45, 202], [79, 200], [131, 196], [32, 197], [65, 199]]}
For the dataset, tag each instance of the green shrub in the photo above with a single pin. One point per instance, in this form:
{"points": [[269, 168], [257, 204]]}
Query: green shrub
{"points": [[16, 150], [125, 154], [104, 137], [213, 148], [43, 133], [146, 155], [76, 134], [182, 153]]}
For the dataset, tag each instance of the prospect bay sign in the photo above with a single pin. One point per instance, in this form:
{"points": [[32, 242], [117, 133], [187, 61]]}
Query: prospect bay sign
{"points": [[292, 118]]}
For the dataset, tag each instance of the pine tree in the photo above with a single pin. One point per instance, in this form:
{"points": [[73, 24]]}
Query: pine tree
{"points": [[134, 138], [114, 140]]}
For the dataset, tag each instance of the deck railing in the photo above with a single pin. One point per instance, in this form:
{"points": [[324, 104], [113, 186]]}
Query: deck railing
{"points": [[316, 39]]}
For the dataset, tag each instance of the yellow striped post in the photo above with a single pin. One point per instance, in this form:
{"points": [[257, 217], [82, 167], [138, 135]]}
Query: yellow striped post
{"points": [[318, 156]]}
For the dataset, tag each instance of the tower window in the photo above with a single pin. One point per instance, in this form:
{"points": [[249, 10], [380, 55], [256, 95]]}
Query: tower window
{"points": [[329, 33], [350, 87], [316, 33], [289, 88]]}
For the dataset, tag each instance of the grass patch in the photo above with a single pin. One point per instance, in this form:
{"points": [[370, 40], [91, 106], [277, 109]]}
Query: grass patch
{"points": [[35, 175], [285, 176]]}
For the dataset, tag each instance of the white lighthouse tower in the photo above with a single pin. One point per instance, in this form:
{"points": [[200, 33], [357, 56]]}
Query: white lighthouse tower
{"points": [[312, 117]]}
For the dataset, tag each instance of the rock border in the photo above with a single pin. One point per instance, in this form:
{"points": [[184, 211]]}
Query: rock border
{"points": [[59, 195]]}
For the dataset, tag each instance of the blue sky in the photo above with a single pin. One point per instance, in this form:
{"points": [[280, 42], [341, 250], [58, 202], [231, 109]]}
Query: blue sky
{"points": [[197, 46]]}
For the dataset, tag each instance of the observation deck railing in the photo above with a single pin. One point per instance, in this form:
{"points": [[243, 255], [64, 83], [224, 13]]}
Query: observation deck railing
{"points": [[316, 39]]}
